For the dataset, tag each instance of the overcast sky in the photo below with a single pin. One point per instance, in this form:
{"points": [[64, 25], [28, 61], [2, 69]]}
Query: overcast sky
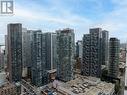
{"points": [[50, 15]]}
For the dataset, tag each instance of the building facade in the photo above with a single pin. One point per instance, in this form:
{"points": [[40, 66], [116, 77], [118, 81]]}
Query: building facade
{"points": [[1, 60], [29, 52], [50, 50], [24, 47], [48, 37], [54, 50], [38, 52], [114, 50], [65, 54], [85, 67], [6, 53], [24, 52], [105, 47], [15, 51], [8, 89], [79, 49], [95, 52], [38, 48]]}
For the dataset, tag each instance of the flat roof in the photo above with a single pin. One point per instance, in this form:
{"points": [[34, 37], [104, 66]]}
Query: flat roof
{"points": [[83, 85]]}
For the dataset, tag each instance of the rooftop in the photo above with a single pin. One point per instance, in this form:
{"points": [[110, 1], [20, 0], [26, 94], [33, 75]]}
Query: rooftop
{"points": [[82, 85]]}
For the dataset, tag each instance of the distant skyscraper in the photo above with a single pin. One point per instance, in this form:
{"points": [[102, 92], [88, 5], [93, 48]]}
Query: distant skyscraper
{"points": [[39, 74], [1, 60], [15, 51], [105, 47], [54, 50], [6, 51], [78, 54], [85, 67], [65, 54], [24, 47], [46, 48], [50, 50], [48, 37], [95, 52], [79, 49], [114, 49], [29, 51], [26, 52]]}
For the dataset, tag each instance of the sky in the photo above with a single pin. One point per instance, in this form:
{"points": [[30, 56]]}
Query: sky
{"points": [[80, 15]]}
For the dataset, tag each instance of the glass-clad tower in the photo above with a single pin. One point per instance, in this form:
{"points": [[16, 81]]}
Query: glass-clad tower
{"points": [[14, 51], [114, 49], [65, 54], [38, 52]]}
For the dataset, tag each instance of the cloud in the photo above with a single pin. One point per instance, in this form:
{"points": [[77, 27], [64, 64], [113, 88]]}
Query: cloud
{"points": [[115, 21], [120, 3], [80, 15], [63, 18], [53, 17]]}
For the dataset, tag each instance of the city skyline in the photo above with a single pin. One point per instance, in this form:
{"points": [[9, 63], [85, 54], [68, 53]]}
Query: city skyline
{"points": [[78, 15], [29, 75], [58, 47]]}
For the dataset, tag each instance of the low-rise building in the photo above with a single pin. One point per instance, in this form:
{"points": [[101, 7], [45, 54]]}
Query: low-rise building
{"points": [[81, 85], [8, 89]]}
